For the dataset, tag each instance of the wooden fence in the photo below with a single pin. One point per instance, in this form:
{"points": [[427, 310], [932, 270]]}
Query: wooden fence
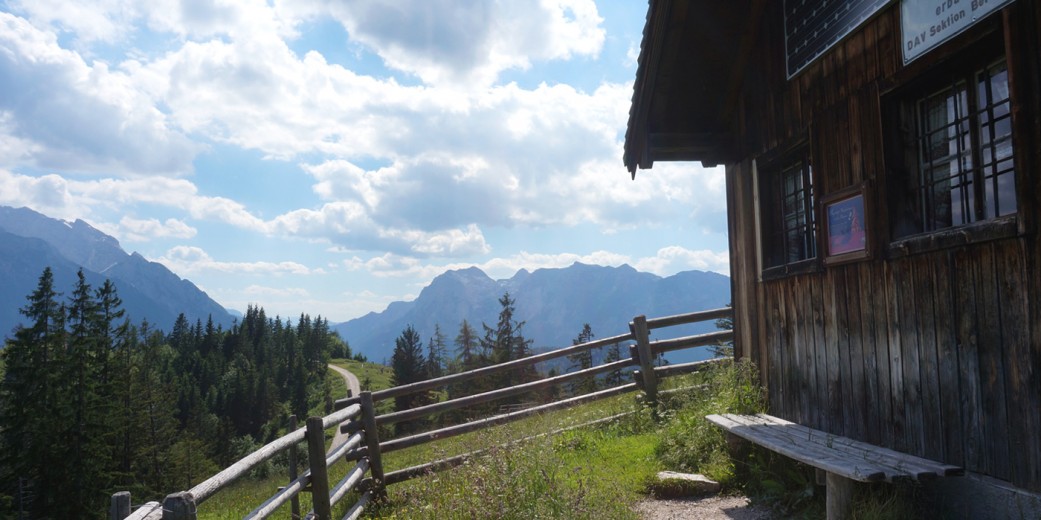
{"points": [[356, 416]]}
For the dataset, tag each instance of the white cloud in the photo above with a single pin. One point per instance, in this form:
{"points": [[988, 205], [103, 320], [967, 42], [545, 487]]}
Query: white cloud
{"points": [[443, 164], [189, 259], [454, 161], [59, 197], [278, 292], [48, 194], [289, 303], [348, 224], [90, 20], [78, 117], [464, 44], [142, 230], [673, 259]]}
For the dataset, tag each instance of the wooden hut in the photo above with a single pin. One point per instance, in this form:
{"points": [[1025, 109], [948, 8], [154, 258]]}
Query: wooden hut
{"points": [[882, 162]]}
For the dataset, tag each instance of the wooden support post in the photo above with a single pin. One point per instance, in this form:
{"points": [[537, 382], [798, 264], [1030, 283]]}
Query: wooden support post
{"points": [[120, 507], [294, 503], [646, 358], [840, 497], [372, 442], [319, 472], [179, 506], [820, 476]]}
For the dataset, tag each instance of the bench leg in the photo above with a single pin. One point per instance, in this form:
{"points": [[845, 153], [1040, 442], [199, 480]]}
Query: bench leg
{"points": [[840, 497]]}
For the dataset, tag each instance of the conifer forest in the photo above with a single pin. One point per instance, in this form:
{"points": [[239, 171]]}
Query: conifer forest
{"points": [[91, 403]]}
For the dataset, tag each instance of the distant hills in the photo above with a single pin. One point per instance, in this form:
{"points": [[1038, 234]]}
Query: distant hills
{"points": [[30, 242], [553, 303]]}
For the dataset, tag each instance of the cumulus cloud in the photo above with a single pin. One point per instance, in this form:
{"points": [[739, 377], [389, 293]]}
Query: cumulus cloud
{"points": [[673, 259], [57, 196], [90, 20], [189, 259], [349, 224], [78, 117], [460, 43], [48, 194], [279, 292], [538, 157], [416, 171], [141, 230], [453, 162]]}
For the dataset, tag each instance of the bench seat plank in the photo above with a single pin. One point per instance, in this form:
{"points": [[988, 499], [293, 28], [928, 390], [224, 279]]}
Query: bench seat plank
{"points": [[843, 456], [810, 453], [916, 467]]}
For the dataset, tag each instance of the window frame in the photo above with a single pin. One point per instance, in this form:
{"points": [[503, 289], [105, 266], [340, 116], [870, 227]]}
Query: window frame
{"points": [[771, 214], [901, 136]]}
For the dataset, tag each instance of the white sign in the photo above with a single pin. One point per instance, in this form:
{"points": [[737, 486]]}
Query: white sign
{"points": [[927, 23]]}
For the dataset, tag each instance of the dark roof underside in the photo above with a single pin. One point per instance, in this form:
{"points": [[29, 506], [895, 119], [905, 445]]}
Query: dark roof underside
{"points": [[687, 80]]}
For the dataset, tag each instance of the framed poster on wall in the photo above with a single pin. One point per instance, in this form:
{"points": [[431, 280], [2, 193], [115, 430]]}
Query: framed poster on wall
{"points": [[846, 228]]}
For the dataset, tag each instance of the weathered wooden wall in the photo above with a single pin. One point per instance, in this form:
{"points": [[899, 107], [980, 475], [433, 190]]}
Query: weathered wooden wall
{"points": [[936, 353]]}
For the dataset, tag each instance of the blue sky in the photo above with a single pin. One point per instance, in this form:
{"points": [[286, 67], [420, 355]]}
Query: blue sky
{"points": [[332, 156]]}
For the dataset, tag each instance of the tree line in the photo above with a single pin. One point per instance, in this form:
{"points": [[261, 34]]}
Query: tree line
{"points": [[498, 344], [91, 403]]}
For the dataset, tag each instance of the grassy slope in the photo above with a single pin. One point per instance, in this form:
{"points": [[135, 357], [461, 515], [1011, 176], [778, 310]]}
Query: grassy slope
{"points": [[599, 471], [377, 376]]}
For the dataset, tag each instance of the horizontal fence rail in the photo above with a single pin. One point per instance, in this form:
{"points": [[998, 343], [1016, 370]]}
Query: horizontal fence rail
{"points": [[208, 487], [356, 417], [409, 473], [451, 431], [493, 395], [431, 384], [699, 340], [690, 317]]}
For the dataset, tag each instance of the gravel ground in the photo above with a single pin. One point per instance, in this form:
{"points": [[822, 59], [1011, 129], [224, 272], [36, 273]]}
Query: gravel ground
{"points": [[708, 508]]}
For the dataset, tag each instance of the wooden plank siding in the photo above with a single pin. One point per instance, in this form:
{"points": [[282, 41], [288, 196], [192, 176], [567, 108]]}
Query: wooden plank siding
{"points": [[935, 352]]}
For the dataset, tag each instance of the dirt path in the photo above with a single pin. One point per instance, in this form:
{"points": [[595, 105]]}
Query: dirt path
{"points": [[355, 389], [709, 508]]}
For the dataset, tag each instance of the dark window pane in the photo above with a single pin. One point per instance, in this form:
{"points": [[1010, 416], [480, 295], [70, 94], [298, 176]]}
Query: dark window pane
{"points": [[789, 230]]}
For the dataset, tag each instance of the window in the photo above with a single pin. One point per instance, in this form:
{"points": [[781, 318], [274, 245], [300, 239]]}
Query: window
{"points": [[787, 222], [957, 156]]}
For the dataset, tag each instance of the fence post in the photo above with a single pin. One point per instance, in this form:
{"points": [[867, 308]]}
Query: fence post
{"points": [[372, 442], [319, 471], [294, 503], [179, 506], [643, 347], [120, 506]]}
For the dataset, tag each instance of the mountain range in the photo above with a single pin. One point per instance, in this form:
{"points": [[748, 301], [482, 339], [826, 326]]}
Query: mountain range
{"points": [[553, 304], [31, 241]]}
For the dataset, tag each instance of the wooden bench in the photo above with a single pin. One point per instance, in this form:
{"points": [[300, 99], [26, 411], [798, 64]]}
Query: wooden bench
{"points": [[843, 459]]}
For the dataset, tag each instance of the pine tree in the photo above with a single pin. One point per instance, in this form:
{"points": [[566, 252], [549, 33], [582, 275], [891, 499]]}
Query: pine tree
{"points": [[87, 456], [135, 408], [506, 342], [466, 344], [31, 404], [436, 353], [125, 359], [614, 377], [581, 361], [153, 405], [409, 367]]}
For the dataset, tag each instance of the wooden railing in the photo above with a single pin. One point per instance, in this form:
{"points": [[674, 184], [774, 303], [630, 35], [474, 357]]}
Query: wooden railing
{"points": [[356, 417]]}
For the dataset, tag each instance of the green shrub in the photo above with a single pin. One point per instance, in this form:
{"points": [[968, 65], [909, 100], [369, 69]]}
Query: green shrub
{"points": [[689, 442]]}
